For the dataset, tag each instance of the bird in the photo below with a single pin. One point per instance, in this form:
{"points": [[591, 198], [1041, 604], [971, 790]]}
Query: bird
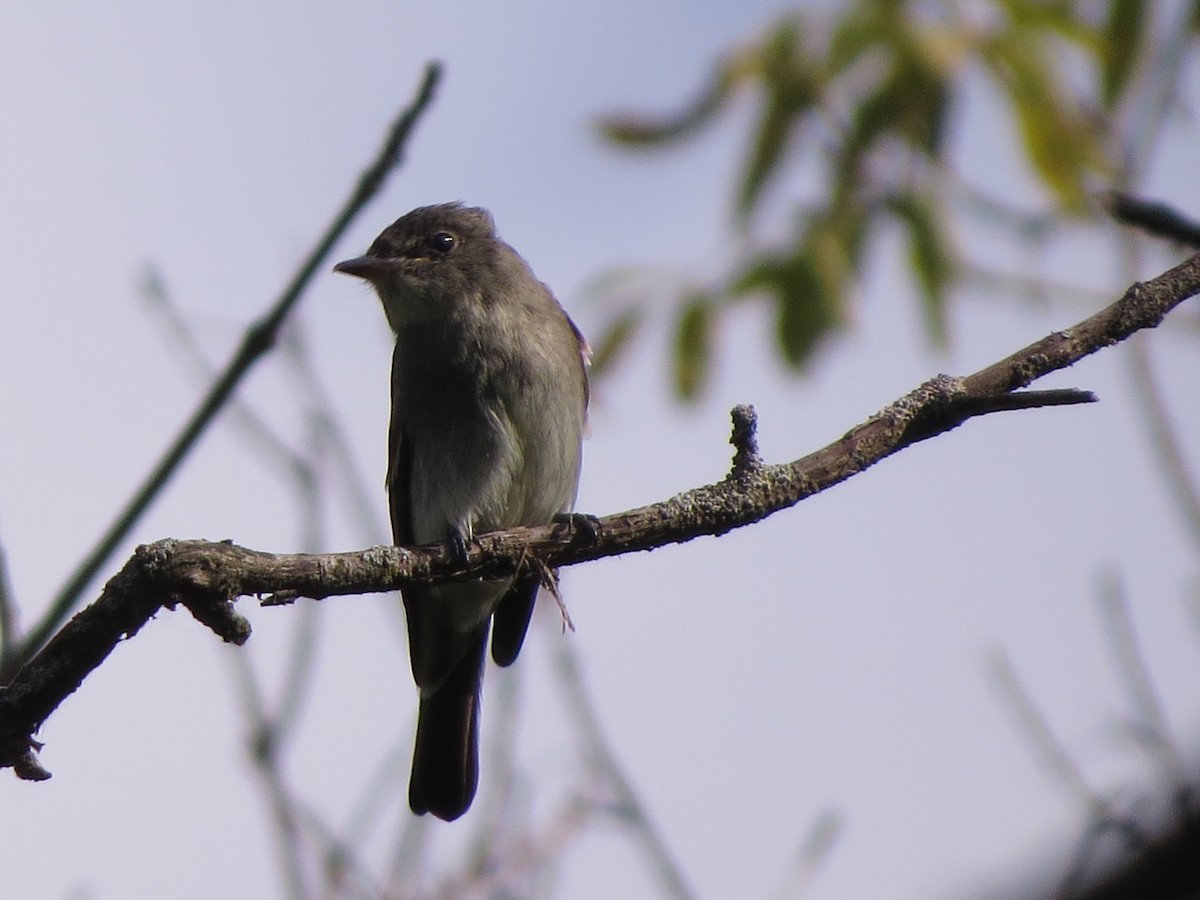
{"points": [[489, 397]]}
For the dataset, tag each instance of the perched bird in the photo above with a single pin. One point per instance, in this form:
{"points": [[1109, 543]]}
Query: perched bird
{"points": [[489, 401]]}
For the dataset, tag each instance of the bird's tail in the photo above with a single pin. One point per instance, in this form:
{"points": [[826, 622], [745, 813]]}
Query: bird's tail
{"points": [[445, 770]]}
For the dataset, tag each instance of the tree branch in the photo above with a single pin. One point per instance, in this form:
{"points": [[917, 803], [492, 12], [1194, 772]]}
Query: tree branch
{"points": [[1158, 219], [1166, 867], [207, 577]]}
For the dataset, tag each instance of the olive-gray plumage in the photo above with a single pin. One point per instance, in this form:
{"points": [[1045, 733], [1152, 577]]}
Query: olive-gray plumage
{"points": [[489, 399]]}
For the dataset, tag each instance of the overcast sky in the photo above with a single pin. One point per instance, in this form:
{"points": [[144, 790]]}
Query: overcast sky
{"points": [[834, 657]]}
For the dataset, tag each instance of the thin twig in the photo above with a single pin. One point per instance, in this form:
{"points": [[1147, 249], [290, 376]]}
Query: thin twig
{"points": [[1158, 219], [258, 339], [1182, 488], [253, 428], [289, 836], [300, 667], [1152, 725], [379, 792], [813, 853], [1047, 747], [268, 732], [522, 859], [501, 811], [361, 503], [1163, 80], [1030, 287], [628, 806], [409, 853]]}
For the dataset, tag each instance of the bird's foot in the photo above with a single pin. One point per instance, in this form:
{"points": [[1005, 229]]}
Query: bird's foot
{"points": [[583, 524], [457, 545]]}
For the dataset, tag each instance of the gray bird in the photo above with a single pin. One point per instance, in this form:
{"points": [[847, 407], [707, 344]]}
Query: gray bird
{"points": [[489, 402]]}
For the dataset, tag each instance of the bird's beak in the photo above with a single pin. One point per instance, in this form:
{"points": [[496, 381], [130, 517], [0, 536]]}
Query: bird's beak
{"points": [[367, 267]]}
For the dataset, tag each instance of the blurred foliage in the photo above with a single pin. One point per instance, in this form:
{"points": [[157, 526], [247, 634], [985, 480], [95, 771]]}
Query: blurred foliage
{"points": [[869, 94]]}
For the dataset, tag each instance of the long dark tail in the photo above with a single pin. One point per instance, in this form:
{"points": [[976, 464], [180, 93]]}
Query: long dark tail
{"points": [[445, 770]]}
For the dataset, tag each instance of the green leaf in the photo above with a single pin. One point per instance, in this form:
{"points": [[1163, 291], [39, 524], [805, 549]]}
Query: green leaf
{"points": [[855, 35], [805, 310], [1059, 17], [614, 341], [1123, 35], [1052, 149], [790, 82], [1059, 141], [909, 102], [912, 102], [639, 130], [802, 318], [848, 229], [876, 114], [927, 109], [773, 132], [693, 346], [930, 255]]}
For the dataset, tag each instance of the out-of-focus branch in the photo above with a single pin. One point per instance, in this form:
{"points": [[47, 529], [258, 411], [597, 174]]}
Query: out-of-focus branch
{"points": [[1150, 725], [271, 726], [626, 806], [1158, 219], [208, 577], [813, 853], [7, 608], [1183, 490], [1164, 869], [258, 340], [186, 349], [1122, 853], [1048, 748]]}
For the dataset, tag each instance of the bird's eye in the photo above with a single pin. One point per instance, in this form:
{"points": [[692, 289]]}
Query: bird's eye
{"points": [[442, 242]]}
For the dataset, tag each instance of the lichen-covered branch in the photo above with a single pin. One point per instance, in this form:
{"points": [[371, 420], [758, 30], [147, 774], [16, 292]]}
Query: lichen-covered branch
{"points": [[208, 577]]}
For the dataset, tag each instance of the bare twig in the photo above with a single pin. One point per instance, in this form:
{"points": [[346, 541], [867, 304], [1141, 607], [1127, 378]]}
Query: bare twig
{"points": [[521, 860], [503, 812], [1151, 719], [382, 789], [409, 854], [301, 839], [329, 437], [288, 830], [813, 853], [1049, 749], [1163, 80], [1158, 219], [1183, 489], [258, 340], [627, 806], [257, 433], [1103, 818]]}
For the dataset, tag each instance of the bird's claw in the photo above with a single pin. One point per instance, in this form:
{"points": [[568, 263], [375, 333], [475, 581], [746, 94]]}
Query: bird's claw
{"points": [[458, 547], [579, 523]]}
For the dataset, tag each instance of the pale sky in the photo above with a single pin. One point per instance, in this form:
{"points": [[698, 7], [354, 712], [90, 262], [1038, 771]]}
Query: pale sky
{"points": [[833, 657]]}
